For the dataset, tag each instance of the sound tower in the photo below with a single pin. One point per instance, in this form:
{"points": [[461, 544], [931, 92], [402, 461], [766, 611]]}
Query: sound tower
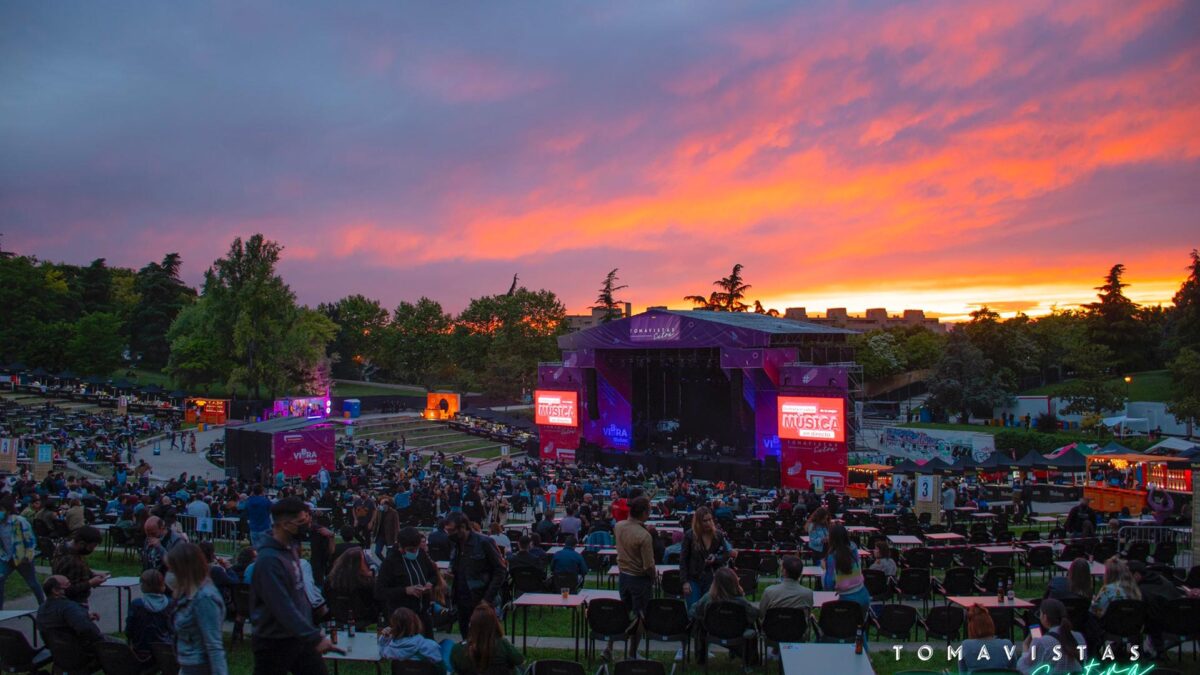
{"points": [[735, 398], [593, 395]]}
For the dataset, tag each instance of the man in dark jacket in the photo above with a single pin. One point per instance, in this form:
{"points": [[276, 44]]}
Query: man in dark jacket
{"points": [[477, 566], [407, 578], [1081, 519], [60, 613], [71, 562], [285, 638], [1156, 591], [525, 558]]}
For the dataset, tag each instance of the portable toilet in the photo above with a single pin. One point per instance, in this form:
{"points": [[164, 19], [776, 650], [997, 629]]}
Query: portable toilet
{"points": [[352, 407]]}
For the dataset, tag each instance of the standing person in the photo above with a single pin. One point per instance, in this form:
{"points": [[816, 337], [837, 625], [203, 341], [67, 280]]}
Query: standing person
{"points": [[407, 578], [18, 547], [635, 563], [1081, 519], [198, 615], [704, 549], [385, 523], [948, 503], [842, 571], [285, 639], [71, 562], [818, 531], [258, 514], [476, 565]]}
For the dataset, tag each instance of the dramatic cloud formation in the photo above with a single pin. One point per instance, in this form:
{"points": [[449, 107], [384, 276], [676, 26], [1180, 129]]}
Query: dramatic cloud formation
{"points": [[937, 155]]}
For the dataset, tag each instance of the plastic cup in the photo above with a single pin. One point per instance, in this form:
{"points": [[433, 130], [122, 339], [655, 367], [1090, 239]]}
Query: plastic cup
{"points": [[566, 593]]}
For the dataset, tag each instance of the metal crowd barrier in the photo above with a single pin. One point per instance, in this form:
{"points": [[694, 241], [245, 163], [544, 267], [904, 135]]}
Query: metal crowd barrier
{"points": [[1158, 534]]}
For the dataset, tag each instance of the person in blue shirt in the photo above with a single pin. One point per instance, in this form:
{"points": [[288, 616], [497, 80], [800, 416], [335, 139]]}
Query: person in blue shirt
{"points": [[568, 560], [258, 513], [403, 500]]}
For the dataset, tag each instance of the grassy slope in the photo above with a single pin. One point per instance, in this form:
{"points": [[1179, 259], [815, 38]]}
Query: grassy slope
{"points": [[145, 377], [1151, 385]]}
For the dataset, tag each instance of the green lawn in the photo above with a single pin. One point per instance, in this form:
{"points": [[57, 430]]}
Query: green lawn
{"points": [[1038, 438], [352, 390], [1150, 385]]}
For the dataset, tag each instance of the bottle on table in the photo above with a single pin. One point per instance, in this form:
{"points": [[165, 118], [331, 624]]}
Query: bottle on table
{"points": [[350, 623]]}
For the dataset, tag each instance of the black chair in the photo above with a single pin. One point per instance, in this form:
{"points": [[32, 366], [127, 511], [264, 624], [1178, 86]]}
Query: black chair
{"points": [[768, 566], [1165, 552], [117, 658], [671, 584], [68, 657], [561, 580], [666, 620], [1137, 550], [607, 620], [747, 560], [970, 557], [957, 581], [527, 580], [1039, 558], [1003, 620], [914, 583], [944, 622], [18, 656], [638, 667], [993, 577], [784, 624], [1078, 610], [919, 557], [556, 667], [1030, 535], [896, 621], [941, 558], [165, 658], [414, 667], [1071, 551], [726, 625], [241, 611], [1124, 619], [1104, 549], [748, 579], [1182, 619], [839, 621], [878, 585]]}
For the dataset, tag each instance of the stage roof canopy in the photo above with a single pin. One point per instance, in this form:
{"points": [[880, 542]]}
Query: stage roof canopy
{"points": [[673, 328]]}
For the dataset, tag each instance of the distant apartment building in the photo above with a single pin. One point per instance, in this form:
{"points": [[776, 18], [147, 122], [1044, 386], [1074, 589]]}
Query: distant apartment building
{"points": [[577, 322], [877, 318]]}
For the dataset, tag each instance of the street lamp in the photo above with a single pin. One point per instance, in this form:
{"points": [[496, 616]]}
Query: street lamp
{"points": [[1128, 381]]}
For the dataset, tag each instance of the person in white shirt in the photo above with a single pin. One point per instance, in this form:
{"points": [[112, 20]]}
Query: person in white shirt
{"points": [[198, 508]]}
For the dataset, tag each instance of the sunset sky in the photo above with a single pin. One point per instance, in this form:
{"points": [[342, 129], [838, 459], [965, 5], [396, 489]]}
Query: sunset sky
{"points": [[858, 154]]}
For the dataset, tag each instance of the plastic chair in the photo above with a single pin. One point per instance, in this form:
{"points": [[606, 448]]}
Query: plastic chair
{"points": [[117, 658], [839, 621], [896, 621], [67, 655], [607, 620], [638, 667], [18, 656], [944, 622], [1124, 619], [1182, 618], [915, 583], [726, 625], [666, 620], [415, 667], [555, 667]]}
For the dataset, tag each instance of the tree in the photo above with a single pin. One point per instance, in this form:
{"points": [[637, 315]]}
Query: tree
{"points": [[161, 296], [921, 347], [1092, 390], [607, 300], [728, 297], [1184, 318], [196, 358], [1184, 401], [1057, 335], [416, 341], [1113, 322], [759, 309], [964, 380], [879, 355], [303, 366], [357, 350], [96, 345], [95, 286], [500, 340]]}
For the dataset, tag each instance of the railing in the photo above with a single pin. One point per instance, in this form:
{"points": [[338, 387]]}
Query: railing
{"points": [[1156, 535]]}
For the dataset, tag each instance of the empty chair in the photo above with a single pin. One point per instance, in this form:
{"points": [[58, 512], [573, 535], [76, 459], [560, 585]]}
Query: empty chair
{"points": [[556, 667], [1039, 558], [1165, 553], [957, 581], [914, 583], [917, 557], [878, 585], [941, 558], [1137, 550], [638, 667], [607, 620], [785, 624], [970, 557], [18, 656], [666, 620], [896, 621], [671, 584], [116, 658], [839, 621], [1182, 619], [945, 622], [748, 579], [992, 579]]}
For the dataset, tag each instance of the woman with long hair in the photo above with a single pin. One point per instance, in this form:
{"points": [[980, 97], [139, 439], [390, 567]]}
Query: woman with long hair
{"points": [[704, 549], [1077, 584], [1118, 585], [402, 639], [1056, 632], [351, 583], [842, 570], [982, 650], [485, 648], [818, 530], [725, 588], [198, 615]]}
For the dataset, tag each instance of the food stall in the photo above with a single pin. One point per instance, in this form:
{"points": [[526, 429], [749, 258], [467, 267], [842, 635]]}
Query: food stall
{"points": [[1119, 481], [205, 410], [866, 477]]}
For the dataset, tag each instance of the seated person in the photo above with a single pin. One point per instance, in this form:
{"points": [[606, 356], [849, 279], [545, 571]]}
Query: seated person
{"points": [[485, 649], [150, 616], [402, 639], [65, 616], [789, 592], [568, 560], [982, 650], [883, 558], [1118, 585], [725, 588], [1075, 585], [524, 556]]}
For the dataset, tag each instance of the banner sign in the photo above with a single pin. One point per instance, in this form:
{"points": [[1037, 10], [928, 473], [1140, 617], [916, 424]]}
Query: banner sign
{"points": [[805, 463], [557, 408], [655, 327], [304, 452], [812, 419], [558, 443]]}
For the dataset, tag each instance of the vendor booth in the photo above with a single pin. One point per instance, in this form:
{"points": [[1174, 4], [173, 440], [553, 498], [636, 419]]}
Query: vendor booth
{"points": [[866, 477], [309, 407], [1116, 482], [206, 410], [298, 447]]}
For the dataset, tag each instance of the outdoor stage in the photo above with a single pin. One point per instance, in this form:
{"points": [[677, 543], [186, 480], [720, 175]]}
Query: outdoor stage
{"points": [[745, 394]]}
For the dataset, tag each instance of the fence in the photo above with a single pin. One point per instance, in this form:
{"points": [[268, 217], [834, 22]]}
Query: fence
{"points": [[1156, 536]]}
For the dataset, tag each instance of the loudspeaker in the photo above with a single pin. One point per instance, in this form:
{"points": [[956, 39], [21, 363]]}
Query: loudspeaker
{"points": [[593, 394], [735, 397]]}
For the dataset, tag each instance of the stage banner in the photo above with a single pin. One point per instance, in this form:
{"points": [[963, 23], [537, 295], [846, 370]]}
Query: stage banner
{"points": [[304, 452], [558, 444], [655, 327], [556, 408], [809, 418], [802, 462]]}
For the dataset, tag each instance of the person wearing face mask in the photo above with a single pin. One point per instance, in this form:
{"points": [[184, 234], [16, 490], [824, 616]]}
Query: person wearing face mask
{"points": [[18, 546], [476, 565], [385, 523], [71, 562], [285, 638], [407, 578]]}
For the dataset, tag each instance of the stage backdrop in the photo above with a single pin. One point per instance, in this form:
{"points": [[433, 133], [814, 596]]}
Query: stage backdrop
{"points": [[813, 438], [304, 452], [556, 413]]}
